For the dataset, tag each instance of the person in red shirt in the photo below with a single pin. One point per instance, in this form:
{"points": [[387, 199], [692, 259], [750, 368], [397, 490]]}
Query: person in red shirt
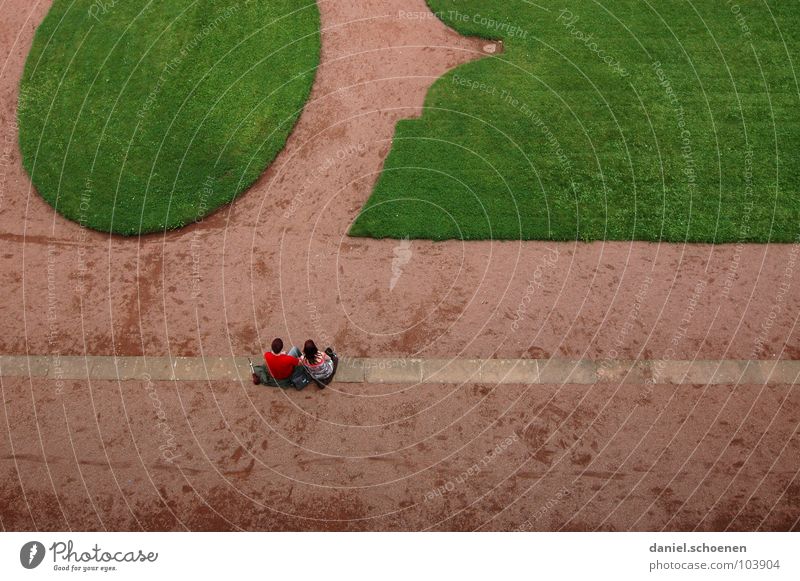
{"points": [[281, 364]]}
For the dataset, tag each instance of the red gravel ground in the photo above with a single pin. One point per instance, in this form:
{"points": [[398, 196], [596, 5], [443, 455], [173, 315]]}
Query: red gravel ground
{"points": [[373, 457]]}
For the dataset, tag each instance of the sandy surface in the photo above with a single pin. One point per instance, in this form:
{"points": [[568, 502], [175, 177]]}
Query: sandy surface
{"points": [[87, 456], [248, 273], [372, 457]]}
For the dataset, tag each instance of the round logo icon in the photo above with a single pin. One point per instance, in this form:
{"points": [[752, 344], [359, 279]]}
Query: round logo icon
{"points": [[31, 554]]}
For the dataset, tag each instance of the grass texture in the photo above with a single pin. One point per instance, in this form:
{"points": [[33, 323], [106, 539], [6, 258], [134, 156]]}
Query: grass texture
{"points": [[139, 117], [661, 121]]}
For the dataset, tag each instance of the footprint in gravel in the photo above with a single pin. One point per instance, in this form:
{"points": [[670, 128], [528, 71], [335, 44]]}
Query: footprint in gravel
{"points": [[536, 435], [554, 432]]}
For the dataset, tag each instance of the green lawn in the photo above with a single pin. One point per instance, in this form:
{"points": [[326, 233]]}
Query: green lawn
{"points": [[144, 116], [669, 120]]}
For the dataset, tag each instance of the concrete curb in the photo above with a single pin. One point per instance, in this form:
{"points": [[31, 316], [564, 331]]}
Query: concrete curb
{"points": [[413, 371]]}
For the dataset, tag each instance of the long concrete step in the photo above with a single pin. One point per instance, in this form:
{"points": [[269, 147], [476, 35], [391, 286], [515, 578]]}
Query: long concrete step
{"points": [[412, 371]]}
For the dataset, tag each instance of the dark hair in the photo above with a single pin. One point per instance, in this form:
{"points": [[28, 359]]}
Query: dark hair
{"points": [[277, 345], [310, 351]]}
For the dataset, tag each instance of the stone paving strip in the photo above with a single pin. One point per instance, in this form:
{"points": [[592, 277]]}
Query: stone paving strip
{"points": [[413, 371]]}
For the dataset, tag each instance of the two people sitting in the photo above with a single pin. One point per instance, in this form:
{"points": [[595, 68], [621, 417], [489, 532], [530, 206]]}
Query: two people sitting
{"points": [[320, 365]]}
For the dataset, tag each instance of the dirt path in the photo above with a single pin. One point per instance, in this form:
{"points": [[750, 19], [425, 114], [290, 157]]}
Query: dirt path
{"points": [[223, 455], [154, 456], [275, 264]]}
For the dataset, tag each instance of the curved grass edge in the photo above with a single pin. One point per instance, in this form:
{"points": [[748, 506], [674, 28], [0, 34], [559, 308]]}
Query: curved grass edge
{"points": [[29, 150], [776, 230]]}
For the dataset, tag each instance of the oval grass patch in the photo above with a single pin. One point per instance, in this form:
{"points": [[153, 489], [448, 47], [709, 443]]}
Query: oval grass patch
{"points": [[138, 118]]}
